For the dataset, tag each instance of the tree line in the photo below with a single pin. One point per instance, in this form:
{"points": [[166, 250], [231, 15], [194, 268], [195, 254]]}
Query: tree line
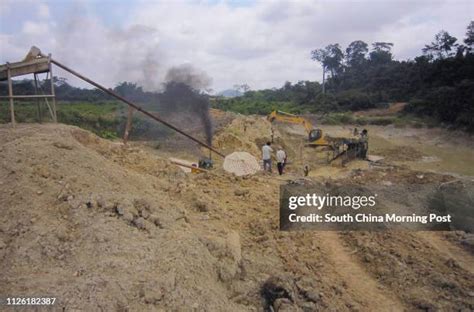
{"points": [[439, 83]]}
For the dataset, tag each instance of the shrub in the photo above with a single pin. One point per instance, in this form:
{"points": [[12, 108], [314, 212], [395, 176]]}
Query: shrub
{"points": [[354, 100]]}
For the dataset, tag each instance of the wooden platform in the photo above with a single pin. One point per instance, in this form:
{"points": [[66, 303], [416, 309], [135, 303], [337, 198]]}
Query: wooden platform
{"points": [[35, 66]]}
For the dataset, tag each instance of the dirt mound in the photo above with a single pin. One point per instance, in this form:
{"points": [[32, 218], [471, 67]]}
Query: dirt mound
{"points": [[402, 153], [244, 134], [72, 199]]}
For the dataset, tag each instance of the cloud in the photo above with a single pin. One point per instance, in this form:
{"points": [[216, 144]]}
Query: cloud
{"points": [[263, 44], [43, 10], [31, 28]]}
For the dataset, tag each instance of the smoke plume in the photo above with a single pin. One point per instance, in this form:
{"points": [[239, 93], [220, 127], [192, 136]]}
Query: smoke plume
{"points": [[182, 99], [189, 75], [182, 94]]}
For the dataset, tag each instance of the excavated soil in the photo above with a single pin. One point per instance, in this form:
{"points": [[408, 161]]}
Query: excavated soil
{"points": [[102, 226]]}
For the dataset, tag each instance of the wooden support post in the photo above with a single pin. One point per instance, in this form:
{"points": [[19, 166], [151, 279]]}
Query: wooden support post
{"points": [[10, 95], [128, 126], [51, 111], [55, 116], [37, 99]]}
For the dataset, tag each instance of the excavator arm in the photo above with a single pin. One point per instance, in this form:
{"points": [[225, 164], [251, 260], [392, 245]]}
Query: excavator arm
{"points": [[315, 136], [290, 118]]}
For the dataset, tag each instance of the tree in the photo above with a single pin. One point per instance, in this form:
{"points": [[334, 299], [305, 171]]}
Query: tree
{"points": [[356, 52], [330, 58], [441, 47], [381, 52], [242, 87], [469, 40]]}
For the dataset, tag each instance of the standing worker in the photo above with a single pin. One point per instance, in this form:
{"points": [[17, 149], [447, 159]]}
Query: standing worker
{"points": [[267, 156], [306, 170], [364, 139], [281, 159]]}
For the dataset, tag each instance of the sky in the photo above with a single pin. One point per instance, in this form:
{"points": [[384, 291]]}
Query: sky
{"points": [[260, 43]]}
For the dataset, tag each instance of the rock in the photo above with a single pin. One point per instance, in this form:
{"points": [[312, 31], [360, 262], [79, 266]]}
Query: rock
{"points": [[283, 304], [278, 287], [126, 206], [139, 223], [310, 306], [62, 146], [127, 216], [312, 296], [241, 192], [145, 214], [120, 210], [39, 192], [153, 296], [424, 305]]}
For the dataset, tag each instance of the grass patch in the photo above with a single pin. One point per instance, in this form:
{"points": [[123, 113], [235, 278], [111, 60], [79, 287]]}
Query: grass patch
{"points": [[102, 118]]}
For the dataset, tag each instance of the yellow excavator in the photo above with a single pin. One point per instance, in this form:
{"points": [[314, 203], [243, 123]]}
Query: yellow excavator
{"points": [[346, 147], [315, 136]]}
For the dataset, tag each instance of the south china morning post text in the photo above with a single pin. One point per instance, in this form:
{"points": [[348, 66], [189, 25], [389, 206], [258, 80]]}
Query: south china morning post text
{"points": [[321, 208]]}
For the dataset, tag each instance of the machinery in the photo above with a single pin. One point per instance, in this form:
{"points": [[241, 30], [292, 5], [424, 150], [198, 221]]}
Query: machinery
{"points": [[315, 136], [344, 148], [205, 163]]}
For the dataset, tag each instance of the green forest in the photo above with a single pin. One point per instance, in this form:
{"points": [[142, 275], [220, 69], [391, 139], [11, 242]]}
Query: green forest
{"points": [[437, 85]]}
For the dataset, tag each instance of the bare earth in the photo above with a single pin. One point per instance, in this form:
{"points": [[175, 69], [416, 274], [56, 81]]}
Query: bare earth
{"points": [[105, 227]]}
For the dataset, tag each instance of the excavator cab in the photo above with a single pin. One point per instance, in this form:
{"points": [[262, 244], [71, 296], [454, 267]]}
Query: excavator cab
{"points": [[315, 134]]}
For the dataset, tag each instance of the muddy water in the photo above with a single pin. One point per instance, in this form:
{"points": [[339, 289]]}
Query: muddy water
{"points": [[431, 150], [452, 159]]}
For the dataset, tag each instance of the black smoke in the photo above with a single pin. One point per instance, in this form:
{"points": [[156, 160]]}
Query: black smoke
{"points": [[181, 98]]}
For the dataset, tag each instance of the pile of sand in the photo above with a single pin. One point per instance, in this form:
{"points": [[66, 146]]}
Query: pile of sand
{"points": [[244, 134]]}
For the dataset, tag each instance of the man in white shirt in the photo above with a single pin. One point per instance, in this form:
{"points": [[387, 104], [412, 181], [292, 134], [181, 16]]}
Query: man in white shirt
{"points": [[267, 156], [281, 159]]}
